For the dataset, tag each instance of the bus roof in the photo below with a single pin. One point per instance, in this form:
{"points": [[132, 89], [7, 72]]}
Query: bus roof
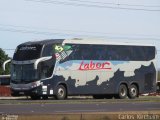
{"points": [[43, 42], [85, 41], [102, 42]]}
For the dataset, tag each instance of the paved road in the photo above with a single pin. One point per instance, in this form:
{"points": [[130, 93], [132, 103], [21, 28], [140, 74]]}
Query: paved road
{"points": [[50, 108]]}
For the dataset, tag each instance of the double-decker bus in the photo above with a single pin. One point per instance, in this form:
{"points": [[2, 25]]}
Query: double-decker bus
{"points": [[100, 68]]}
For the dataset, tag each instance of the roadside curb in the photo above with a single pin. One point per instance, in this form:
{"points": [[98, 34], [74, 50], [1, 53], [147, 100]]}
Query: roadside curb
{"points": [[12, 98]]}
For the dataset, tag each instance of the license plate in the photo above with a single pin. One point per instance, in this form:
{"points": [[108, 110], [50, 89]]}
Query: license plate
{"points": [[21, 93]]}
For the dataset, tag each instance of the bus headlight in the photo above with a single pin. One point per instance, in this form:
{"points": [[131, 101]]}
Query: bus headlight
{"points": [[35, 84], [44, 88]]}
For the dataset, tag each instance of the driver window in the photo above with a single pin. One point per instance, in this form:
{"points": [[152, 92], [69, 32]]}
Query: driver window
{"points": [[48, 50], [46, 68]]}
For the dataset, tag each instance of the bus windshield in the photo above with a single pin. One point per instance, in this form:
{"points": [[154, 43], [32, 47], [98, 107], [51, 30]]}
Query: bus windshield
{"points": [[24, 73], [27, 52], [27, 73]]}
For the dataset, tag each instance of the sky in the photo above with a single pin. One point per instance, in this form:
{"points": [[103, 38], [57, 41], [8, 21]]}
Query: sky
{"points": [[117, 20]]}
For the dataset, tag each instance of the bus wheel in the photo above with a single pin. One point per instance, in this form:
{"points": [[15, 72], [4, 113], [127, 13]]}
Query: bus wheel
{"points": [[122, 93], [61, 93], [133, 91], [35, 97]]}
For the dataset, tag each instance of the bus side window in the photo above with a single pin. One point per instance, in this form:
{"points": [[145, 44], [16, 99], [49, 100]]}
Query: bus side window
{"points": [[75, 54], [99, 53], [46, 68], [48, 50], [138, 51], [113, 52], [150, 53], [86, 52], [79, 53], [126, 53]]}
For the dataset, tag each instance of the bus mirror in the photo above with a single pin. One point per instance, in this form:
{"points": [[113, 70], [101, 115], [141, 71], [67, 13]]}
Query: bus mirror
{"points": [[4, 64], [40, 60]]}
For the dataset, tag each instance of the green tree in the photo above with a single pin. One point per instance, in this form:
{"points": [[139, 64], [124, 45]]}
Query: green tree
{"points": [[4, 57]]}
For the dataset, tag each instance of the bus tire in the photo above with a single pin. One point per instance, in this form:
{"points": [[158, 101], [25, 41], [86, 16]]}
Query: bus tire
{"points": [[61, 93], [122, 92], [133, 91]]}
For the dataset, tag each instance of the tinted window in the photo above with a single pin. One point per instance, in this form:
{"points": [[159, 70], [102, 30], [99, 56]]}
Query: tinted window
{"points": [[112, 52], [46, 68], [27, 52], [48, 50], [150, 53]]}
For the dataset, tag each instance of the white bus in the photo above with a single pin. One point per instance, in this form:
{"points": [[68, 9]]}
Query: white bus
{"points": [[100, 68]]}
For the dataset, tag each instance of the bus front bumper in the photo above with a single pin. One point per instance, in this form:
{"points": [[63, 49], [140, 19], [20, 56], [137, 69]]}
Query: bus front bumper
{"points": [[33, 88]]}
